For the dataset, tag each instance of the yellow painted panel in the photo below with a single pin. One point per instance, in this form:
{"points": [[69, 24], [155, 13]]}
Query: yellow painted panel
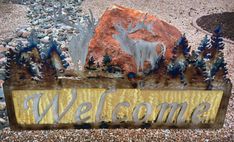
{"points": [[25, 110]]}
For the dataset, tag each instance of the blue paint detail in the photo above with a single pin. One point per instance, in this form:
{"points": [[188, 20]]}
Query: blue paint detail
{"points": [[200, 63], [32, 44], [31, 71], [207, 56], [106, 59], [182, 43], [53, 47], [186, 50], [109, 69], [219, 63], [218, 29], [204, 44], [45, 53], [131, 75], [65, 65], [175, 70], [62, 57], [216, 39]]}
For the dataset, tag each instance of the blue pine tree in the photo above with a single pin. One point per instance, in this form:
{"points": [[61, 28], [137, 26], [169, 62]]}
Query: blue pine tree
{"points": [[217, 39], [202, 56], [54, 47], [183, 44], [205, 44], [106, 59], [179, 63]]}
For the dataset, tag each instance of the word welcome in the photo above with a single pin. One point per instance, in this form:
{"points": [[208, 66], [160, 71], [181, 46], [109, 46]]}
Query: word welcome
{"points": [[79, 106]]}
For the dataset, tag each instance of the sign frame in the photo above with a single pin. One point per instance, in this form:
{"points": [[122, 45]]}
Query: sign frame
{"points": [[220, 117]]}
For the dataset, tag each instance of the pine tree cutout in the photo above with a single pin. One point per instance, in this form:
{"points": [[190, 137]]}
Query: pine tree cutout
{"points": [[209, 58], [200, 56], [180, 60], [106, 60], [217, 39]]}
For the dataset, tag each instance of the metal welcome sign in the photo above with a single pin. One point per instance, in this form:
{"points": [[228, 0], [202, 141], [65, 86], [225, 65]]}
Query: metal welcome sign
{"points": [[74, 110], [100, 108], [131, 70]]}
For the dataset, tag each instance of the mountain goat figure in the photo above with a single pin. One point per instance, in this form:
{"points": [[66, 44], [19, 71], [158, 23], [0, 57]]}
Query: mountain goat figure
{"points": [[140, 49]]}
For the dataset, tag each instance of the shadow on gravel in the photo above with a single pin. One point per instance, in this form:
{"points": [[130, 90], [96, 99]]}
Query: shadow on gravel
{"points": [[226, 20]]}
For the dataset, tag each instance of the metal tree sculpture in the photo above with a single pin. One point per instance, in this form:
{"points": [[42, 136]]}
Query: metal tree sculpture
{"points": [[180, 59], [78, 46]]}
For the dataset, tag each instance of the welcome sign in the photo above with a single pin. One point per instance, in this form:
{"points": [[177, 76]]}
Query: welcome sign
{"points": [[110, 108], [128, 70], [97, 105]]}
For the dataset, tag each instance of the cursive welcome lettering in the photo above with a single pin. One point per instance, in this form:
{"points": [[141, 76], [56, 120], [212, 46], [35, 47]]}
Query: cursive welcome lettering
{"points": [[115, 112], [36, 102], [202, 108], [83, 108], [168, 114], [173, 107], [136, 111], [101, 104]]}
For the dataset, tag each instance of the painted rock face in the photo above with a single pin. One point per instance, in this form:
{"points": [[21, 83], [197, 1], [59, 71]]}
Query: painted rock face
{"points": [[104, 41]]}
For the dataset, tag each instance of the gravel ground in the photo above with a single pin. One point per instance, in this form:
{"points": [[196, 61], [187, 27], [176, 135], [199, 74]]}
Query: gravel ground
{"points": [[180, 14], [11, 17], [226, 19]]}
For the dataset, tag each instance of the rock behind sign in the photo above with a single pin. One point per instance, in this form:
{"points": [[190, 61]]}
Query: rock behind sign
{"points": [[103, 43]]}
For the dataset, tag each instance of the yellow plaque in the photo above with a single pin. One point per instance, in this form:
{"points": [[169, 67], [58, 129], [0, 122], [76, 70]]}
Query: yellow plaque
{"points": [[78, 106]]}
